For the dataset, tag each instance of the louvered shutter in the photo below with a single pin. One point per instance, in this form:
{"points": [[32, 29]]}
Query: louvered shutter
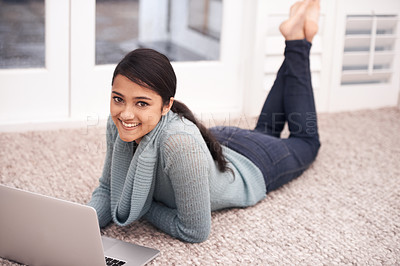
{"points": [[369, 49], [366, 55]]}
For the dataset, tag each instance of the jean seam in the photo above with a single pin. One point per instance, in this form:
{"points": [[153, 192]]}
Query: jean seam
{"points": [[266, 166], [302, 168], [244, 148], [274, 162]]}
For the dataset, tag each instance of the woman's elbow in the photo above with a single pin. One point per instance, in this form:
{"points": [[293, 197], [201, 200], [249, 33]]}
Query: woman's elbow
{"points": [[195, 235], [201, 237]]}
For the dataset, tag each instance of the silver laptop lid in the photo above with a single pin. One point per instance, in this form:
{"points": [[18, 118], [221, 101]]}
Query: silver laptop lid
{"points": [[40, 230]]}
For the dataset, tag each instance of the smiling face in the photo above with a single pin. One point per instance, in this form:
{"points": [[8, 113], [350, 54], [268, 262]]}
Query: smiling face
{"points": [[135, 110]]}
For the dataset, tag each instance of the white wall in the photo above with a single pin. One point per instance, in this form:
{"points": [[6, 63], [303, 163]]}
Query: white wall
{"points": [[237, 84]]}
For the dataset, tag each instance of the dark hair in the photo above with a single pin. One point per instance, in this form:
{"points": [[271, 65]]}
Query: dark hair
{"points": [[153, 70]]}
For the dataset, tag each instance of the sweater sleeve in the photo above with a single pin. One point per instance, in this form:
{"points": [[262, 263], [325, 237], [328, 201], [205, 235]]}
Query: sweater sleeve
{"points": [[100, 200], [187, 166]]}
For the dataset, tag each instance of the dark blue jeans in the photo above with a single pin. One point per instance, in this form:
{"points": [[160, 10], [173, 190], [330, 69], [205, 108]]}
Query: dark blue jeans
{"points": [[290, 100]]}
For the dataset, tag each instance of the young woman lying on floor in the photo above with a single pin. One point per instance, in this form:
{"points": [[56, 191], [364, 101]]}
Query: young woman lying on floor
{"points": [[164, 165]]}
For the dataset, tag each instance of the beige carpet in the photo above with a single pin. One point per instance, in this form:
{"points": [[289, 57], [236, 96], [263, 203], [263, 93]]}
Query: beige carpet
{"points": [[344, 210]]}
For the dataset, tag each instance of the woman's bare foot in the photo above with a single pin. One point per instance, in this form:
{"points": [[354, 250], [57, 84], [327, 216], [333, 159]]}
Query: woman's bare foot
{"points": [[293, 28], [312, 18]]}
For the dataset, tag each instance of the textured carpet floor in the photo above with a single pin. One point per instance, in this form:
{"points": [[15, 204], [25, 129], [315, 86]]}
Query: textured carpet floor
{"points": [[345, 209]]}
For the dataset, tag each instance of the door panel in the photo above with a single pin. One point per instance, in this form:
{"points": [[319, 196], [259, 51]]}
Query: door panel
{"points": [[201, 84], [38, 91], [269, 49]]}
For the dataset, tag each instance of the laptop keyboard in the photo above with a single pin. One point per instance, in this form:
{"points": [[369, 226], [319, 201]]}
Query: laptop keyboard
{"points": [[114, 262]]}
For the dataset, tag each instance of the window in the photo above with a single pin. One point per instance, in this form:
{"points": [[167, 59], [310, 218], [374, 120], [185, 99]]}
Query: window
{"points": [[205, 17], [116, 29], [368, 49], [183, 30], [22, 33]]}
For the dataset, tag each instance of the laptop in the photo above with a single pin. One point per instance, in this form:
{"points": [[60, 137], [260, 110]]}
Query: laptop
{"points": [[41, 230]]}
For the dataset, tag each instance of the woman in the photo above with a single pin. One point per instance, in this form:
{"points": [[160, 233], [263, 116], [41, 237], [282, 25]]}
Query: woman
{"points": [[163, 165]]}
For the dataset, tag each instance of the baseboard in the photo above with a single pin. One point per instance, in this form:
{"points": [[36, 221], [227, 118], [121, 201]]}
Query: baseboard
{"points": [[44, 125]]}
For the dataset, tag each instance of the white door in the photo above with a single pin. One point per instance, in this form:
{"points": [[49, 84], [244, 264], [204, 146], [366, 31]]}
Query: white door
{"points": [[355, 57], [269, 47], [34, 88], [207, 82]]}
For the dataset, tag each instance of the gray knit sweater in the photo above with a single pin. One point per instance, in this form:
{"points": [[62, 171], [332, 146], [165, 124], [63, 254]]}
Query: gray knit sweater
{"points": [[171, 179]]}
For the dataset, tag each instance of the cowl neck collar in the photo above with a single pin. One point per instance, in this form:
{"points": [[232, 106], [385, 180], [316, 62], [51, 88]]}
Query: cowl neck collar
{"points": [[133, 172]]}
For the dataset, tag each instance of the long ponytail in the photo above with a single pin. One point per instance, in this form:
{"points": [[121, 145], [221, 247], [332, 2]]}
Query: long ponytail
{"points": [[213, 145]]}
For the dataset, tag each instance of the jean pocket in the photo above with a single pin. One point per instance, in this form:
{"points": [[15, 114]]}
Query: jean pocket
{"points": [[271, 150]]}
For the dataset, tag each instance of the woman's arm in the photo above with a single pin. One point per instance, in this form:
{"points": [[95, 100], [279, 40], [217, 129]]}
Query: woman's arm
{"points": [[100, 200], [187, 166]]}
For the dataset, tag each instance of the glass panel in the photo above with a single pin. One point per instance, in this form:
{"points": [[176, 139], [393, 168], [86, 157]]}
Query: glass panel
{"points": [[205, 17], [184, 30], [116, 29], [22, 29]]}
